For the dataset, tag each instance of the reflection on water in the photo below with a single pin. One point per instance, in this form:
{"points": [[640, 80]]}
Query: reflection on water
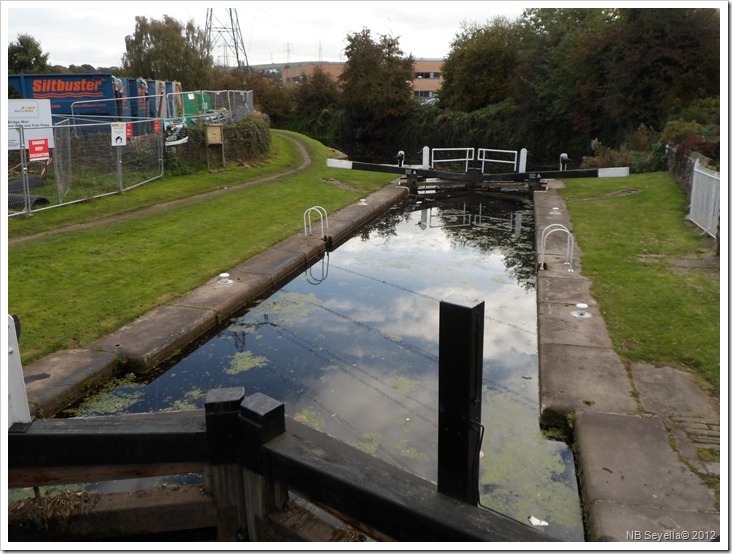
{"points": [[351, 347]]}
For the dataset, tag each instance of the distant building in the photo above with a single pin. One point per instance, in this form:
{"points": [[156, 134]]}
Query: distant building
{"points": [[427, 81]]}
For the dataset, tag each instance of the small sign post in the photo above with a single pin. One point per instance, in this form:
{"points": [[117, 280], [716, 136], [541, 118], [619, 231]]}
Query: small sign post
{"points": [[119, 138]]}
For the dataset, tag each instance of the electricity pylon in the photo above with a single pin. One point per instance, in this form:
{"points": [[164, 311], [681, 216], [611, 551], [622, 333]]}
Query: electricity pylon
{"points": [[231, 33]]}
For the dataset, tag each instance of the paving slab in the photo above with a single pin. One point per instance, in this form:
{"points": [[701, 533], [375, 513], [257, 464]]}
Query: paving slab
{"points": [[58, 380], [669, 391], [558, 325], [579, 378], [157, 335], [610, 521], [224, 299], [627, 461], [573, 289]]}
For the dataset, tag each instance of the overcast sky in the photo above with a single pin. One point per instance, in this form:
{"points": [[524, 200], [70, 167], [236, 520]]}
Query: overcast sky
{"points": [[272, 31]]}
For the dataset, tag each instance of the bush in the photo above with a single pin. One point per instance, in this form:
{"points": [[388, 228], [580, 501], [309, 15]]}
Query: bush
{"points": [[244, 141], [677, 132], [606, 157]]}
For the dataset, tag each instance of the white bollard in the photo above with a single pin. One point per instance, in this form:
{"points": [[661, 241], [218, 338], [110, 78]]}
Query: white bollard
{"points": [[522, 160]]}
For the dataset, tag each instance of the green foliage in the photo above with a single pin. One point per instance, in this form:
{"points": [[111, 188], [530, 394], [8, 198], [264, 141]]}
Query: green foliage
{"points": [[606, 157], [375, 83], [317, 92], [26, 56], [478, 70], [271, 98], [245, 140], [319, 111], [676, 132], [701, 110], [169, 51], [576, 74]]}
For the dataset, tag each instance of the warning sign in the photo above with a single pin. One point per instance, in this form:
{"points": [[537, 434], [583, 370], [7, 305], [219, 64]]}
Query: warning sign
{"points": [[32, 118], [119, 134], [38, 149]]}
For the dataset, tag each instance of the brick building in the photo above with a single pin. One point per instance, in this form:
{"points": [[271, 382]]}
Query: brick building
{"points": [[428, 75]]}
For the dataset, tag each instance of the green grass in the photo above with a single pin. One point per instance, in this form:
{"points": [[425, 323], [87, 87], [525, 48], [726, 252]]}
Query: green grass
{"points": [[72, 288], [630, 231], [283, 157]]}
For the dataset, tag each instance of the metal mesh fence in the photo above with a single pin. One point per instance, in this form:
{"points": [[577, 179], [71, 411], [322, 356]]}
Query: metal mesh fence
{"points": [[88, 160], [211, 106]]}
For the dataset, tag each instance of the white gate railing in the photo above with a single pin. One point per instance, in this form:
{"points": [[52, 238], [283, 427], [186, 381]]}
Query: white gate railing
{"points": [[704, 208]]}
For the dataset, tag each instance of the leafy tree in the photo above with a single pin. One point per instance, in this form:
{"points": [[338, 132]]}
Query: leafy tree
{"points": [[270, 97], [26, 56], [83, 68], [479, 67], [375, 83], [167, 50], [662, 60], [317, 92], [558, 83]]}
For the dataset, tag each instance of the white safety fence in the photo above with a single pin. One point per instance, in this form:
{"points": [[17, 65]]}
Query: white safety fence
{"points": [[705, 191]]}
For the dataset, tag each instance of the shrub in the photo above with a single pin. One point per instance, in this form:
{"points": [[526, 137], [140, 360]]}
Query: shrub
{"points": [[606, 157]]}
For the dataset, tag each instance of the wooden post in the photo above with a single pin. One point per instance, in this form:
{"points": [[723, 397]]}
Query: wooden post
{"points": [[460, 396], [222, 474], [261, 418]]}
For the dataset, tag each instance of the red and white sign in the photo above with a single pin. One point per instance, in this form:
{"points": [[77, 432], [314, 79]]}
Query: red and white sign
{"points": [[38, 149]]}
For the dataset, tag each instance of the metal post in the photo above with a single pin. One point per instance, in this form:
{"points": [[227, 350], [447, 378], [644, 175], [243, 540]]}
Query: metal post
{"points": [[119, 169], [460, 396]]}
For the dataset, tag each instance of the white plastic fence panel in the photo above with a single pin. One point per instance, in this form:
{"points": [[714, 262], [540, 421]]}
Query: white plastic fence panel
{"points": [[704, 209]]}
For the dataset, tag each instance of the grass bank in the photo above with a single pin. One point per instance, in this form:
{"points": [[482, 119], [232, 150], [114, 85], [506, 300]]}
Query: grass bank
{"points": [[652, 273], [72, 288]]}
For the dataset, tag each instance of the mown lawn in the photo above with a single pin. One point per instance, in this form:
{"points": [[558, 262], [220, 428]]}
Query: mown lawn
{"points": [[72, 288], [635, 246]]}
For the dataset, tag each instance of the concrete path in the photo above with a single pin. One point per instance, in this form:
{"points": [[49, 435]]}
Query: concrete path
{"points": [[641, 433]]}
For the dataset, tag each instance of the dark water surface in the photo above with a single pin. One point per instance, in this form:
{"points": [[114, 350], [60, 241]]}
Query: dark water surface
{"points": [[351, 348]]}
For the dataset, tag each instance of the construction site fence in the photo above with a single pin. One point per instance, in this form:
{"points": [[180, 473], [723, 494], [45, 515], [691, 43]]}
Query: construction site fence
{"points": [[80, 161]]}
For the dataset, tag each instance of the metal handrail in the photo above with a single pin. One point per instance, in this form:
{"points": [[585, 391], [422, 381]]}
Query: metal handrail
{"points": [[307, 223], [554, 227]]}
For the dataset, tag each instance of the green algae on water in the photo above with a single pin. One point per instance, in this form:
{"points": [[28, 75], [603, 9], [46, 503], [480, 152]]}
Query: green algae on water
{"points": [[311, 418], [244, 361]]}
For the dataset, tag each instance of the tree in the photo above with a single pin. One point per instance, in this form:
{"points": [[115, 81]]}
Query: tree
{"points": [[560, 78], [26, 56], [375, 83], [662, 61], [168, 51], [479, 67], [316, 92]]}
